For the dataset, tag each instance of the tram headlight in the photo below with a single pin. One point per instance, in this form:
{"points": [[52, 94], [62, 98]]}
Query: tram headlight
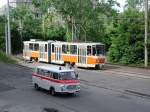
{"points": [[97, 60]]}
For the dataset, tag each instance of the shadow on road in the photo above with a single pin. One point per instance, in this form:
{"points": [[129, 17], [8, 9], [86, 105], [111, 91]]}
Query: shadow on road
{"points": [[58, 95], [50, 110]]}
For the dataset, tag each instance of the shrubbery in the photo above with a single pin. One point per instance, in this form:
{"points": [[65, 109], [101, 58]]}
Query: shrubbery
{"points": [[5, 59]]}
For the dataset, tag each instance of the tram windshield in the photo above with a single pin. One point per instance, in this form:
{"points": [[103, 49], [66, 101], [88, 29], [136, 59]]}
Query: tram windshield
{"points": [[98, 50]]}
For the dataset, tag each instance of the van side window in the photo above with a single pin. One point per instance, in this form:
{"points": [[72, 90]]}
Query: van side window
{"points": [[40, 71], [55, 75], [47, 73]]}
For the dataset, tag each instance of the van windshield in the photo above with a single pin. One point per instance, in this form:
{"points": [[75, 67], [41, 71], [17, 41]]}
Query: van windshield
{"points": [[67, 75]]}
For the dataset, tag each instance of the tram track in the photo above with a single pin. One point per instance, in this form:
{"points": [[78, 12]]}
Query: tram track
{"points": [[123, 92], [120, 73]]}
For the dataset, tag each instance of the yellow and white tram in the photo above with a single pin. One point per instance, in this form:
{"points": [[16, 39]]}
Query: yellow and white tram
{"points": [[79, 54]]}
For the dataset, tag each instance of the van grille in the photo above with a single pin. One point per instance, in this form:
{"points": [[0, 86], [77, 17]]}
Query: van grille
{"points": [[72, 87]]}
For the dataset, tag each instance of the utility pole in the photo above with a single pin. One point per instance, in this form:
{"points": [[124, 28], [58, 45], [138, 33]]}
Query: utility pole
{"points": [[43, 25], [6, 39], [146, 33], [72, 29], [8, 31]]}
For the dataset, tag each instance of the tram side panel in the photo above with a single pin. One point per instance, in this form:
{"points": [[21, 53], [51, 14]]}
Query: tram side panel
{"points": [[31, 50], [69, 53], [56, 53], [45, 50], [60, 53], [34, 50]]}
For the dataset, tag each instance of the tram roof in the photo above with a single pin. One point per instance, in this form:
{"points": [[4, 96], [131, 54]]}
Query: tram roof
{"points": [[61, 42], [55, 69], [80, 43], [35, 42]]}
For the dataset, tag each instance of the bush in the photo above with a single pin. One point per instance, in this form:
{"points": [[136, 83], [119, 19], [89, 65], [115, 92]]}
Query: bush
{"points": [[127, 46], [5, 59]]}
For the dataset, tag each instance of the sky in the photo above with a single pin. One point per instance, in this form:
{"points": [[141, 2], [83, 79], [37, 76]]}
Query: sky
{"points": [[3, 2], [122, 2]]}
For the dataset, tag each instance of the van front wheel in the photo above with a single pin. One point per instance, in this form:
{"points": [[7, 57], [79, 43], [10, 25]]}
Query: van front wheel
{"points": [[36, 86], [52, 91]]}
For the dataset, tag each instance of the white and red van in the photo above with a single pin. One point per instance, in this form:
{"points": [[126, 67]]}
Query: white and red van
{"points": [[56, 79]]}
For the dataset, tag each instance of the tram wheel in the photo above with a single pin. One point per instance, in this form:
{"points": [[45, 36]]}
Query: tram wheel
{"points": [[99, 67]]}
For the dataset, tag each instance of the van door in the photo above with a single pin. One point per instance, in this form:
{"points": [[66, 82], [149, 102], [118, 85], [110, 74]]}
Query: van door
{"points": [[38, 78]]}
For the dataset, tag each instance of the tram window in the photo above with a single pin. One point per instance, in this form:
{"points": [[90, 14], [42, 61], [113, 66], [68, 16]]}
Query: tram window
{"points": [[94, 50], [68, 49], [45, 47], [36, 47], [89, 50], [100, 50], [24, 47], [52, 47], [73, 49], [64, 49], [31, 46]]}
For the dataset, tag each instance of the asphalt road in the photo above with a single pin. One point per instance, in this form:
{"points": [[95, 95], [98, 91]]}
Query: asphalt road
{"points": [[114, 89]]}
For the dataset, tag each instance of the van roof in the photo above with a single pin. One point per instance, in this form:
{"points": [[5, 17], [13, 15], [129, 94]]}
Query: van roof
{"points": [[55, 69]]}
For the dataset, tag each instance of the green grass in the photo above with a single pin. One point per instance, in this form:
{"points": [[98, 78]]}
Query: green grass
{"points": [[6, 59]]}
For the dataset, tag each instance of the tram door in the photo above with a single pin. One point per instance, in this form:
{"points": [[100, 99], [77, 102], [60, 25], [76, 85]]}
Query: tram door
{"points": [[82, 55], [58, 52], [43, 52]]}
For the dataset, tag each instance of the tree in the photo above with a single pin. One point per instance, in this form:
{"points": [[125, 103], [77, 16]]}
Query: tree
{"points": [[83, 16], [2, 33], [127, 46]]}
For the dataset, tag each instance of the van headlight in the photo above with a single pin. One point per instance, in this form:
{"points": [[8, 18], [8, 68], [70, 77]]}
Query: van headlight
{"points": [[78, 86]]}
